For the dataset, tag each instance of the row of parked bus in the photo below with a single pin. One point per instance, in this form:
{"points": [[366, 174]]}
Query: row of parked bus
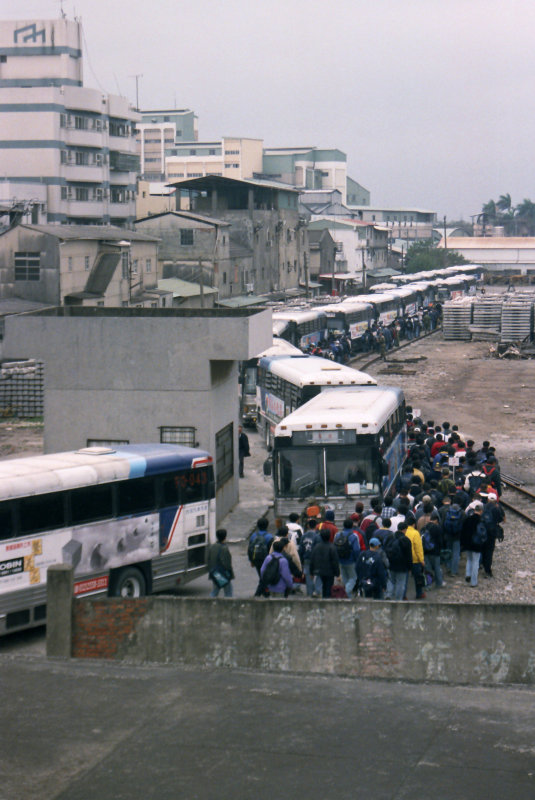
{"points": [[298, 329], [384, 303]]}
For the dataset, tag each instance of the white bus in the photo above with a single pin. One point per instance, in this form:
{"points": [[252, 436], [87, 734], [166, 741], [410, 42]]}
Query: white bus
{"points": [[342, 446], [130, 521], [285, 383], [300, 327], [248, 377]]}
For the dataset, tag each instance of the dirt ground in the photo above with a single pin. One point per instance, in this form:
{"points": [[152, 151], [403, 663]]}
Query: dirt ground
{"points": [[487, 398]]}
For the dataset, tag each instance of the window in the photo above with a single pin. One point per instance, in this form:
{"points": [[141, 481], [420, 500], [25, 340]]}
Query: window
{"points": [[90, 503], [224, 454], [27, 266], [134, 266], [192, 152], [177, 434], [81, 193], [86, 262], [148, 265], [136, 495], [69, 263], [81, 123], [42, 512], [3, 59], [186, 236], [224, 277], [124, 264]]}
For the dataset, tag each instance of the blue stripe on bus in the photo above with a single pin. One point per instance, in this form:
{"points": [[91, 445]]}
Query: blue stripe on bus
{"points": [[155, 459]]}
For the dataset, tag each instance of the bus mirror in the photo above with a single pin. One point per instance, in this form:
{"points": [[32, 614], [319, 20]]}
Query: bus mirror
{"points": [[267, 467]]}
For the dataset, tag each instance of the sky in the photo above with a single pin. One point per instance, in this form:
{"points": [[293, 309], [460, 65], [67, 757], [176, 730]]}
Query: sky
{"points": [[432, 100]]}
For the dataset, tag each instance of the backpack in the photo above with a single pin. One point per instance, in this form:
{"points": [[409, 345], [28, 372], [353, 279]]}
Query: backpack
{"points": [[489, 470], [306, 545], [272, 572], [258, 549], [369, 520], [453, 522], [343, 546], [366, 570], [428, 542], [474, 481], [480, 535]]}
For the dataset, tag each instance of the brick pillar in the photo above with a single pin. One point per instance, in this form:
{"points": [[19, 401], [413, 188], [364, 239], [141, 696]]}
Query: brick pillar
{"points": [[59, 599]]}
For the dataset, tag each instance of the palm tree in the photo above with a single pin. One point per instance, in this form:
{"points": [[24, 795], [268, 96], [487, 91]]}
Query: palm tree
{"points": [[504, 204], [525, 214], [489, 211]]}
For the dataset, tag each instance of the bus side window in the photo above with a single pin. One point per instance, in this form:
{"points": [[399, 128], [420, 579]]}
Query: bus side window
{"points": [[91, 503], [6, 520], [42, 512], [136, 496]]}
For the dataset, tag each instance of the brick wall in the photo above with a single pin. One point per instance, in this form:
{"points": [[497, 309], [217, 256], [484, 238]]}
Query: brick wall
{"points": [[105, 628]]}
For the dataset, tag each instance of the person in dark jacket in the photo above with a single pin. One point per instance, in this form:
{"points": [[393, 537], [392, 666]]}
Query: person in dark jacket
{"points": [[371, 571], [220, 560], [325, 563], [399, 552], [432, 556], [470, 544], [285, 581], [243, 449], [493, 515]]}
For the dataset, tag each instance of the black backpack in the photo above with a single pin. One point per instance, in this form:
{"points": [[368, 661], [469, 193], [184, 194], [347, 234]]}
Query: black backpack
{"points": [[272, 572], [258, 549], [343, 546], [480, 534], [306, 545]]}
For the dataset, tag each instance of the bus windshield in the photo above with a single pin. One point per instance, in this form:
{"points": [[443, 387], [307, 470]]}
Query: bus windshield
{"points": [[326, 471], [249, 381]]}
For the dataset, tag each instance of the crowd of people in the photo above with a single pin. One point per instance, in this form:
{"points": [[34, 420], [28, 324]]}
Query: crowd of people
{"points": [[446, 503], [378, 337]]}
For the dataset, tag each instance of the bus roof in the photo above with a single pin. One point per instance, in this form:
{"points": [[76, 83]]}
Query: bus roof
{"points": [[280, 347], [306, 370], [361, 408], [33, 475], [301, 315]]}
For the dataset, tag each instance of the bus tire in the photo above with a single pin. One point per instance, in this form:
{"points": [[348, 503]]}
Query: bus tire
{"points": [[129, 582]]}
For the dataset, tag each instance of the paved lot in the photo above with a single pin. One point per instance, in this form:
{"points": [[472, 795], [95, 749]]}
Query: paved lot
{"points": [[80, 730]]}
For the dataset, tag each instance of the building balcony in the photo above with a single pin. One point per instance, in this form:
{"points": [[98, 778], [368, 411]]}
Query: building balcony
{"points": [[83, 208], [86, 173], [90, 137]]}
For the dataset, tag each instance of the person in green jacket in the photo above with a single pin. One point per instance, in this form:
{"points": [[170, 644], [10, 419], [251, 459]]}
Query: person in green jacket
{"points": [[220, 565]]}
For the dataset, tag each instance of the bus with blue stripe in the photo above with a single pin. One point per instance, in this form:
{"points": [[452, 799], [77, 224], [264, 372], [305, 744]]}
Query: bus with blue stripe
{"points": [[129, 520]]}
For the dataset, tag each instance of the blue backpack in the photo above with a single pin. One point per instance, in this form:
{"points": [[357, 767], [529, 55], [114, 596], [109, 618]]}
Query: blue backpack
{"points": [[480, 535], [453, 521]]}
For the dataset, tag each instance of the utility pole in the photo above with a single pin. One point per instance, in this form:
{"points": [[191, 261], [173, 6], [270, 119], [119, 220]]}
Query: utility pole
{"points": [[445, 245], [137, 77]]}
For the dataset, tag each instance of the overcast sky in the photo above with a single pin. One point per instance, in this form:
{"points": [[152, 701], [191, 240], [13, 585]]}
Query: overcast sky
{"points": [[432, 100]]}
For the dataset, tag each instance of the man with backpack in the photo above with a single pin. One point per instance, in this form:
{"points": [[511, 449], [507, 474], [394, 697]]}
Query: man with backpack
{"points": [[432, 545], [452, 525], [493, 515], [371, 571], [474, 537], [328, 525], [257, 550], [474, 478], [325, 563], [275, 572], [399, 552], [348, 548], [309, 540]]}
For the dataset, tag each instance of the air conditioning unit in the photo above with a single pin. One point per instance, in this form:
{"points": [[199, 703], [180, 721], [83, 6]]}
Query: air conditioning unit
{"points": [[249, 288]]}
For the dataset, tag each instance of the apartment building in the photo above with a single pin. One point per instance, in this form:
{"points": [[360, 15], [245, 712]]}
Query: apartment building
{"points": [[67, 150], [160, 131], [307, 168], [231, 157]]}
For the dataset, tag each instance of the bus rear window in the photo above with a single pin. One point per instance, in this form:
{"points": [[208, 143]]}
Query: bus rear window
{"points": [[6, 521]]}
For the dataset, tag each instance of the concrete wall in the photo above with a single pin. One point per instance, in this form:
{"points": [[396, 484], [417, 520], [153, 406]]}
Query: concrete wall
{"points": [[121, 374], [448, 643]]}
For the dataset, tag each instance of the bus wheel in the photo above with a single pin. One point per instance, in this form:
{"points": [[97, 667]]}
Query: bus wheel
{"points": [[129, 583]]}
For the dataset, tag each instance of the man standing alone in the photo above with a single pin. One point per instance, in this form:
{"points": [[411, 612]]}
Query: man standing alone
{"points": [[243, 448]]}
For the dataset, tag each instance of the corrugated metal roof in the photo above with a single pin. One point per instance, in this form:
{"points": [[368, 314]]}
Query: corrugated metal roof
{"points": [[241, 301], [108, 233], [489, 242], [214, 221], [192, 183], [180, 288]]}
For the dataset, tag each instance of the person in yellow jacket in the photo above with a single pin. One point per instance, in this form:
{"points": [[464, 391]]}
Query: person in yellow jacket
{"points": [[417, 549]]}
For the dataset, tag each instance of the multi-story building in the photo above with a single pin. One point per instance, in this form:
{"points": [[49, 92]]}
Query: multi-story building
{"points": [[68, 150], [160, 131], [79, 265], [268, 240], [232, 157], [313, 168], [409, 224]]}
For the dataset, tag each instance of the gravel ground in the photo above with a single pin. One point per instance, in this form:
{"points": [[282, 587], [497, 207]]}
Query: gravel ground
{"points": [[488, 399]]}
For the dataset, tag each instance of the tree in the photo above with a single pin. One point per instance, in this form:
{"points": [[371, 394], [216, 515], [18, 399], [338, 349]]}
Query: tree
{"points": [[504, 204], [425, 255], [489, 211], [525, 214]]}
